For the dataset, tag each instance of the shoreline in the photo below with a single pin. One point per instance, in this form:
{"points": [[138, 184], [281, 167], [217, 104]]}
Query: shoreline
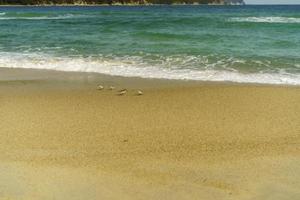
{"points": [[21, 74], [50, 75]]}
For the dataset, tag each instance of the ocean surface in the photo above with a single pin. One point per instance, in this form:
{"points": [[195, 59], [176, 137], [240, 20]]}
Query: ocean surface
{"points": [[248, 44]]}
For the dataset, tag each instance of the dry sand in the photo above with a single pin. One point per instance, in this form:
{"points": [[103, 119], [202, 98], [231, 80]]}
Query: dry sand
{"points": [[180, 140]]}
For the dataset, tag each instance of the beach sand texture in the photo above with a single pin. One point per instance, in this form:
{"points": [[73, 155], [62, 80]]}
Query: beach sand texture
{"points": [[199, 141]]}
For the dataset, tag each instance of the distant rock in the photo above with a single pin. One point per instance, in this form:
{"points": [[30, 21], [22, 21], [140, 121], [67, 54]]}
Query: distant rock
{"points": [[234, 2]]}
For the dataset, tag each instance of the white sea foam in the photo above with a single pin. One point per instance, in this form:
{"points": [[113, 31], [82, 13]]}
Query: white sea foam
{"points": [[2, 13], [119, 67], [59, 17], [289, 20]]}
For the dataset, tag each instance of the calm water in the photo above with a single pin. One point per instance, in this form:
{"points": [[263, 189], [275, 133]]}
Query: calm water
{"points": [[258, 44]]}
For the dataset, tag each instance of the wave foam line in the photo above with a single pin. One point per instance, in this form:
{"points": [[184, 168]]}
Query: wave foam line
{"points": [[119, 68], [290, 20], [68, 16]]}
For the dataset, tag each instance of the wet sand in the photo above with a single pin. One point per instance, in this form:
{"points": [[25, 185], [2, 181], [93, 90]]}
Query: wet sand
{"points": [[63, 139]]}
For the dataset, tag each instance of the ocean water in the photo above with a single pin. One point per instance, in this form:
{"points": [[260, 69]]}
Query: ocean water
{"points": [[248, 44]]}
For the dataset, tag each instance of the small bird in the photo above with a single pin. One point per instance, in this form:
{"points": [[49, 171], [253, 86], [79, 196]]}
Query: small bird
{"points": [[100, 87], [139, 93], [111, 88], [122, 92]]}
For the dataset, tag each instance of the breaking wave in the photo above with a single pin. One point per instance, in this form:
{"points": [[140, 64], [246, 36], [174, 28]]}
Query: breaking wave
{"points": [[287, 20], [130, 67], [58, 17]]}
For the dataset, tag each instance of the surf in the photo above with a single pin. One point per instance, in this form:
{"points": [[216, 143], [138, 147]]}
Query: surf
{"points": [[285, 20], [135, 67]]}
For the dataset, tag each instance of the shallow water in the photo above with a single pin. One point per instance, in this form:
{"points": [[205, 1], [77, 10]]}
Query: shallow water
{"points": [[254, 44]]}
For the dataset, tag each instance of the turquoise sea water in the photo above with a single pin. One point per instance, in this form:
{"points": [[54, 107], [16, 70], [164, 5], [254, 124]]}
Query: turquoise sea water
{"points": [[256, 44]]}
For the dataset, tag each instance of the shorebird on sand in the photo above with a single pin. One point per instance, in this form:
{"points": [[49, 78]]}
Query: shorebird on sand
{"points": [[100, 87], [111, 88], [122, 92], [139, 93]]}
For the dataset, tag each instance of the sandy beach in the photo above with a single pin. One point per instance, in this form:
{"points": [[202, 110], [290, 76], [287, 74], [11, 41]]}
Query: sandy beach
{"points": [[61, 138]]}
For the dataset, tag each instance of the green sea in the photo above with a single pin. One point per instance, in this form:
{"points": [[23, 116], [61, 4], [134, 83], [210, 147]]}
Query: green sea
{"points": [[247, 44]]}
